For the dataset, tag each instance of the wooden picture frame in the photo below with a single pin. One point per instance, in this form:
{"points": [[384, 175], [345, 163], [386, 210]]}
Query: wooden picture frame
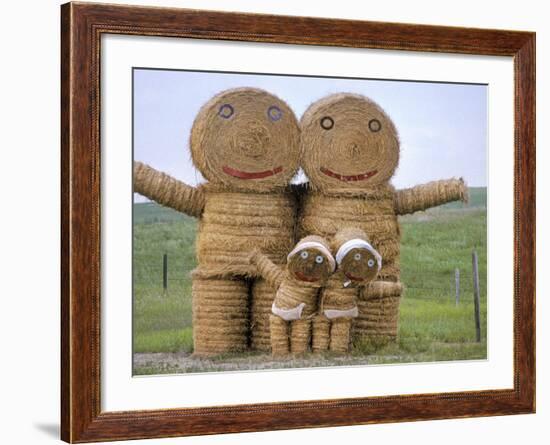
{"points": [[82, 26]]}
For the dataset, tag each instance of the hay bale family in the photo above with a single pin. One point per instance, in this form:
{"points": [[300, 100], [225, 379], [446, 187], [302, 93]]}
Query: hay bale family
{"points": [[294, 268]]}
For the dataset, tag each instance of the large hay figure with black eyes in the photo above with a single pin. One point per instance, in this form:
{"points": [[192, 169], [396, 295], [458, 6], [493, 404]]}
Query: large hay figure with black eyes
{"points": [[350, 152], [309, 265], [245, 142]]}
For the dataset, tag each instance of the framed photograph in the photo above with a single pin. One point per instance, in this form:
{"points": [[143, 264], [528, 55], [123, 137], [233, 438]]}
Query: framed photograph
{"points": [[275, 222]]}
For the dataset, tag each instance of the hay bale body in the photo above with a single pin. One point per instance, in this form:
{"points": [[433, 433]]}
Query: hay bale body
{"points": [[245, 142], [234, 222], [350, 152]]}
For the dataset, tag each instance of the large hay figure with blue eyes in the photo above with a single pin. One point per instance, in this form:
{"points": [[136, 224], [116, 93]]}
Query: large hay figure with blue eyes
{"points": [[350, 150], [245, 142]]}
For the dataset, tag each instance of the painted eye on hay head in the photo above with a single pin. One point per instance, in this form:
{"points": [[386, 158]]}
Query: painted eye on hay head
{"points": [[327, 123], [370, 262], [226, 111], [274, 113], [374, 125], [319, 259], [304, 255], [357, 257]]}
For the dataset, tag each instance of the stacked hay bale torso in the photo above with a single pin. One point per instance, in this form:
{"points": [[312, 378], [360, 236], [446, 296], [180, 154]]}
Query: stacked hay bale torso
{"points": [[245, 142], [350, 150], [309, 265]]}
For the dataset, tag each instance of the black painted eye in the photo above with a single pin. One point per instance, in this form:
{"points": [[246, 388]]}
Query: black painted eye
{"points": [[274, 113], [226, 111], [327, 123], [374, 125]]}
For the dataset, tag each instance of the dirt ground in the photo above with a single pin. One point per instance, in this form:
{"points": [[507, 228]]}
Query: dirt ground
{"points": [[183, 362]]}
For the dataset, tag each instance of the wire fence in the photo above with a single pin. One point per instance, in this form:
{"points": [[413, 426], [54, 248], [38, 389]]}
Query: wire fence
{"points": [[454, 283]]}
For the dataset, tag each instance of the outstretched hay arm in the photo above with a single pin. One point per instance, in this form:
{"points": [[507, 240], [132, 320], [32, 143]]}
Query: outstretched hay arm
{"points": [[267, 269], [167, 191], [432, 194]]}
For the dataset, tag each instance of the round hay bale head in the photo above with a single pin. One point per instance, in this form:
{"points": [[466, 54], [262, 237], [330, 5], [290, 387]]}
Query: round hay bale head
{"points": [[348, 142], [246, 139], [311, 263]]}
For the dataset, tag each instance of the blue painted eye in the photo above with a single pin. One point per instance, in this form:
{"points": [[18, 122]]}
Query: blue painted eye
{"points": [[370, 262], [226, 111], [274, 113], [319, 259], [304, 254]]}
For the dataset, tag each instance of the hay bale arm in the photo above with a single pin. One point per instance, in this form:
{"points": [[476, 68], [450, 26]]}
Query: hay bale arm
{"points": [[432, 194], [380, 289], [268, 270], [167, 191]]}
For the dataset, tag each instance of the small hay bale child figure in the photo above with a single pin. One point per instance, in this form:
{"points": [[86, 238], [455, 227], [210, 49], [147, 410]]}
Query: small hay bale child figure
{"points": [[350, 151], [308, 267], [245, 142], [358, 264]]}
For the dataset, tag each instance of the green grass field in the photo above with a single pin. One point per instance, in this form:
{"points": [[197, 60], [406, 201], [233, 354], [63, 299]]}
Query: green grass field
{"points": [[432, 327]]}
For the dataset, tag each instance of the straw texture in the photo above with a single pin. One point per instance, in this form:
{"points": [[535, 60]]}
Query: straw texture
{"points": [[245, 142], [333, 296], [246, 139], [263, 295], [234, 222], [432, 194], [340, 335], [300, 336], [346, 137], [320, 334], [220, 315], [279, 336], [167, 191], [292, 293], [350, 151]]}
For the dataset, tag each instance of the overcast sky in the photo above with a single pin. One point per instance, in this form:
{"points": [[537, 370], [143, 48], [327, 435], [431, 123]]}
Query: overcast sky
{"points": [[442, 127]]}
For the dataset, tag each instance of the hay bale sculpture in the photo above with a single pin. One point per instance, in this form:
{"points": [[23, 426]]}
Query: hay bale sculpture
{"points": [[350, 150], [308, 267], [245, 142], [358, 264]]}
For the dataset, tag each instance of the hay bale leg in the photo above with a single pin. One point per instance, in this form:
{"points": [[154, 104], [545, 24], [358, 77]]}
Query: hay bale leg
{"points": [[262, 298], [279, 330], [340, 332], [320, 334], [378, 321], [220, 315], [300, 335]]}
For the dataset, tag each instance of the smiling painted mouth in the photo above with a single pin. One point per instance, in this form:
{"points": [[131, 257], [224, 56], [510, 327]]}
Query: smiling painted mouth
{"points": [[251, 175], [352, 277], [303, 277], [347, 178]]}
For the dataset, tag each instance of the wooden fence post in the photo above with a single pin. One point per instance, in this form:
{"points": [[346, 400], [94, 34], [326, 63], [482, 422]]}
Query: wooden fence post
{"points": [[457, 286], [165, 271], [476, 295]]}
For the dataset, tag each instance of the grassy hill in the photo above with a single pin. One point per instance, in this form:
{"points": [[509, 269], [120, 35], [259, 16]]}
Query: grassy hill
{"points": [[434, 244]]}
